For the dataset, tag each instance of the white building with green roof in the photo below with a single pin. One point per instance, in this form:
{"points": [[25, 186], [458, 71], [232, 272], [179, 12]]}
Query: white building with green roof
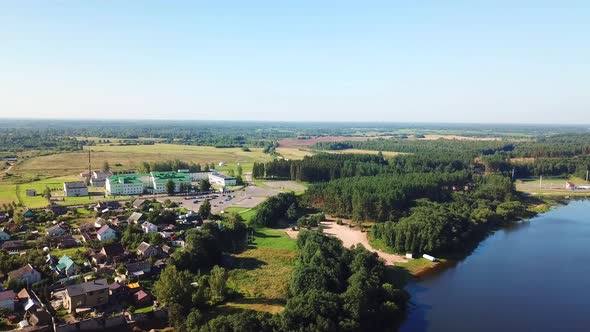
{"points": [[125, 184], [153, 183], [160, 179]]}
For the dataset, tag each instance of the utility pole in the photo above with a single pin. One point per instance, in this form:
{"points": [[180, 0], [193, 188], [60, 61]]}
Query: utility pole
{"points": [[541, 182], [513, 174], [587, 171]]}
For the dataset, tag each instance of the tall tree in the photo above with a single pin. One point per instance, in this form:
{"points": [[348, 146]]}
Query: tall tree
{"points": [[170, 187]]}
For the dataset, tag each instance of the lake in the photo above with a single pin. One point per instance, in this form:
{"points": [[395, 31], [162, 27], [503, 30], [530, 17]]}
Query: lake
{"points": [[533, 276]]}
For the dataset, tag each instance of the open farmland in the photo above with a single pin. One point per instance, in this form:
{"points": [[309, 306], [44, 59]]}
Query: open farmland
{"points": [[128, 157]]}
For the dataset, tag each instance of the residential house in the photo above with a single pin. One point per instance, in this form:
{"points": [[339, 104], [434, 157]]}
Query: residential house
{"points": [[75, 189], [90, 294], [66, 266], [4, 236], [59, 210], [105, 233], [139, 203], [99, 222], [146, 250], [138, 268], [111, 205], [13, 246], [117, 292], [26, 273], [87, 227], [40, 317], [26, 301], [28, 214], [66, 241], [113, 252], [55, 230], [143, 298], [148, 227], [7, 299], [135, 217]]}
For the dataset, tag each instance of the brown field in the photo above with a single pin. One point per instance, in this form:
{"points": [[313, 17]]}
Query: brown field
{"points": [[294, 153], [522, 160], [460, 138]]}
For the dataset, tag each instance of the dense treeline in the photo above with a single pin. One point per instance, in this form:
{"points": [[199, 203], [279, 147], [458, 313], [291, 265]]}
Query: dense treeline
{"points": [[562, 145], [20, 141], [577, 166], [383, 197], [335, 289], [326, 167], [283, 206], [172, 166], [450, 225]]}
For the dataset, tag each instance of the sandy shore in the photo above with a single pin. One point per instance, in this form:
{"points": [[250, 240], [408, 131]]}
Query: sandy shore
{"points": [[353, 236]]}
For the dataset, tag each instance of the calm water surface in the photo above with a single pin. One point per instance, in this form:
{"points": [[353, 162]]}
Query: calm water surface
{"points": [[534, 276]]}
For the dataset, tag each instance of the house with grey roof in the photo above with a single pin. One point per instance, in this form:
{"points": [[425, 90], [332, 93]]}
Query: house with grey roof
{"points": [[55, 230], [105, 233], [26, 273], [90, 294]]}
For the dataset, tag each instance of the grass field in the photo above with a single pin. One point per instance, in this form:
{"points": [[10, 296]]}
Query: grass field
{"points": [[551, 187], [262, 273], [129, 157], [246, 213], [53, 170]]}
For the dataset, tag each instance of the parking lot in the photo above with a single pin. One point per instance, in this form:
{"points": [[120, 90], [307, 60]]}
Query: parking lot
{"points": [[248, 197]]}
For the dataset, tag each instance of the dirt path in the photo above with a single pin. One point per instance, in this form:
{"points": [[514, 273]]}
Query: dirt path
{"points": [[7, 169], [353, 236]]}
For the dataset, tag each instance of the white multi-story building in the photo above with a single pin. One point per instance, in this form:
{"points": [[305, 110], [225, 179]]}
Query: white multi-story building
{"points": [[126, 184], [75, 189], [222, 180]]}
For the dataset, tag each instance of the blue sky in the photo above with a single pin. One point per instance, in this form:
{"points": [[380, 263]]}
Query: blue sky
{"points": [[397, 61]]}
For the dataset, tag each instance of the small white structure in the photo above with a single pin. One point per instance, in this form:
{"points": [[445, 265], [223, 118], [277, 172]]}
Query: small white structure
{"points": [[221, 163], [409, 255], [430, 258], [148, 227], [105, 233], [31, 192]]}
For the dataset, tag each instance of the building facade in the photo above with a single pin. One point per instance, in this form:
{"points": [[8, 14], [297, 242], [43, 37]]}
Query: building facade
{"points": [[75, 189]]}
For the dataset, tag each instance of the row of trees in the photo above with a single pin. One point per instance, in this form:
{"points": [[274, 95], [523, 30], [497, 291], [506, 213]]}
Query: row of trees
{"points": [[173, 166], [383, 197], [326, 167], [542, 146]]}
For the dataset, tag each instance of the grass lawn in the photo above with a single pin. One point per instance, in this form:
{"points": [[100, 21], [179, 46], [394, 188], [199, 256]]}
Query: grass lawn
{"points": [[144, 310], [7, 193], [273, 238], [261, 274], [75, 254], [246, 213]]}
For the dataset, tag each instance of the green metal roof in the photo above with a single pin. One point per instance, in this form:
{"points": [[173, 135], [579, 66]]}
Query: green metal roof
{"points": [[164, 177], [127, 178]]}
